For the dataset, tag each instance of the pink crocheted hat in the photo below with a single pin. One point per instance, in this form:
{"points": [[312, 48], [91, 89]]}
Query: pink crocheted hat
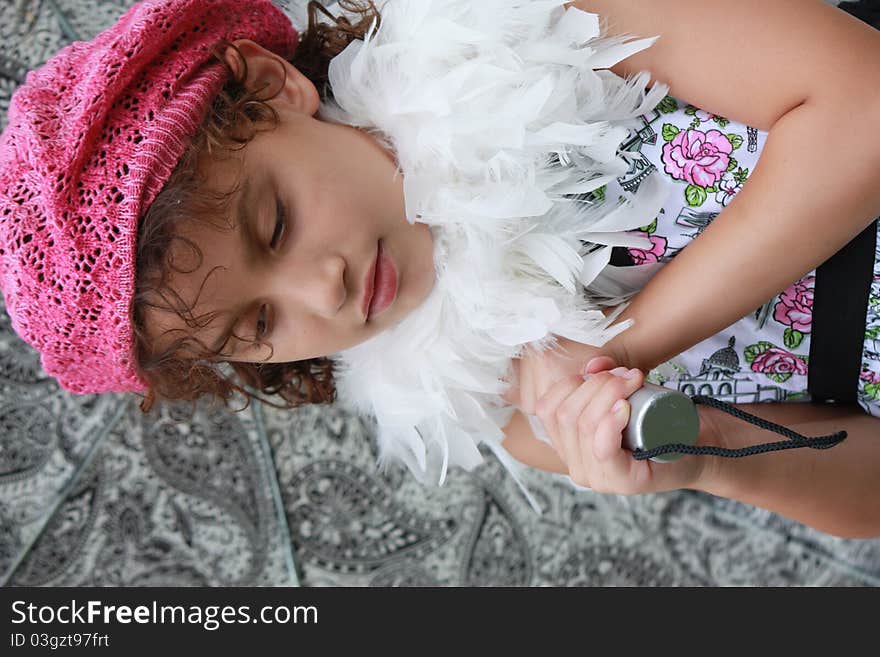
{"points": [[92, 138]]}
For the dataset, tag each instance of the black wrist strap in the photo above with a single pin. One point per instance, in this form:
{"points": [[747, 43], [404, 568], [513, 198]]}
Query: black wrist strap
{"points": [[794, 441]]}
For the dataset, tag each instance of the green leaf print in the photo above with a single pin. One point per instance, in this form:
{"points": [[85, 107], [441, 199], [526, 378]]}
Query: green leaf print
{"points": [[740, 176], [670, 131], [651, 228], [668, 105], [733, 164], [754, 350], [721, 121], [873, 391], [690, 110], [872, 333], [735, 140], [793, 338], [779, 377], [695, 196]]}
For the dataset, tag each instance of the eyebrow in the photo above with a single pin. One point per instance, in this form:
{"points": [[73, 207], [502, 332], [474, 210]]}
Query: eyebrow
{"points": [[244, 222], [244, 219]]}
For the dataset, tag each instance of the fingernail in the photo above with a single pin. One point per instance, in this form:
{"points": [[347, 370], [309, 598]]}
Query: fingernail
{"points": [[587, 377], [618, 407], [630, 374], [619, 372]]}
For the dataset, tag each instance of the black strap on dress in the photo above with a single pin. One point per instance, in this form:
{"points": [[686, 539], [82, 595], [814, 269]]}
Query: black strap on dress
{"points": [[840, 306], [840, 301]]}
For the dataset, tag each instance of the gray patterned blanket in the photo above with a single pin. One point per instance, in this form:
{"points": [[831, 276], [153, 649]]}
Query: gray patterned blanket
{"points": [[93, 492]]}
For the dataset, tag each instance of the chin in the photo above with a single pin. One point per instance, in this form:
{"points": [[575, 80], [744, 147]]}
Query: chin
{"points": [[423, 291]]}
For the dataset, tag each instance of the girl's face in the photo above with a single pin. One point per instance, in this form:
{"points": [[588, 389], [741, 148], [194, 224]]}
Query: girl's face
{"points": [[316, 205]]}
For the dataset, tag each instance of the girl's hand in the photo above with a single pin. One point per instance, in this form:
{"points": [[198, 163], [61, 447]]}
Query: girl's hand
{"points": [[585, 417], [536, 371]]}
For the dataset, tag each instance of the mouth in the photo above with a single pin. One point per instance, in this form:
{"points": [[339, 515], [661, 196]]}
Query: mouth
{"points": [[369, 286], [380, 286]]}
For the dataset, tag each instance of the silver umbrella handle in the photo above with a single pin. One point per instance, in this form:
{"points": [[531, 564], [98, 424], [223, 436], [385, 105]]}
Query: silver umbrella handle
{"points": [[660, 416]]}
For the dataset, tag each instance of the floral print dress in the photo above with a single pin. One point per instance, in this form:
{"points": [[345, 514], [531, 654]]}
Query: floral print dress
{"points": [[705, 160]]}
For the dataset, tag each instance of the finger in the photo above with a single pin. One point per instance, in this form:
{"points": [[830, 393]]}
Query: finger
{"points": [[597, 423], [609, 433], [613, 468], [572, 433], [619, 383], [547, 406], [598, 364]]}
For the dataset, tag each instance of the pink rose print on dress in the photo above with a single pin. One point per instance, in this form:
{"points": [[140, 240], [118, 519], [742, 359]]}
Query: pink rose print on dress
{"points": [[869, 376], [642, 256], [795, 310], [795, 306], [870, 385], [704, 116], [698, 158], [775, 363], [778, 364]]}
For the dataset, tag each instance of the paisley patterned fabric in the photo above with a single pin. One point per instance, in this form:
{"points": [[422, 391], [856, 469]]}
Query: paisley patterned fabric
{"points": [[93, 492]]}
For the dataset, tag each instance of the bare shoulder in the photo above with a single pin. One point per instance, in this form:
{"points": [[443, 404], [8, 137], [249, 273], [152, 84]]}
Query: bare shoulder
{"points": [[749, 60]]}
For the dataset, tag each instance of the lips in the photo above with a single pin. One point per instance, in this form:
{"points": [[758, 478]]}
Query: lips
{"points": [[380, 287], [369, 284]]}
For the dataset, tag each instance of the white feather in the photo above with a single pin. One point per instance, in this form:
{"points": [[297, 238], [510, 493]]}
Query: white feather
{"points": [[554, 256], [496, 111], [594, 263]]}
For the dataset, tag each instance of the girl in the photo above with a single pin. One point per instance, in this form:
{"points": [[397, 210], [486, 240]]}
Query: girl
{"points": [[157, 205]]}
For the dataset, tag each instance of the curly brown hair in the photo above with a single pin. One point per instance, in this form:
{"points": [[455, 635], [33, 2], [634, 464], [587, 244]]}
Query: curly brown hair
{"points": [[187, 368]]}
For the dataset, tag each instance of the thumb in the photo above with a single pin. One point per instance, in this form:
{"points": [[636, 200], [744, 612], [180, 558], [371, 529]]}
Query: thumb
{"points": [[599, 364]]}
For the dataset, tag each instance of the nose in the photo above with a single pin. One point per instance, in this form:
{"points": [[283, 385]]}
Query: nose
{"points": [[316, 285]]}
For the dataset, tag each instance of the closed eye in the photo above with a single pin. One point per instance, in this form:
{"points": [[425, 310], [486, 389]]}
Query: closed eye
{"points": [[262, 323], [280, 225]]}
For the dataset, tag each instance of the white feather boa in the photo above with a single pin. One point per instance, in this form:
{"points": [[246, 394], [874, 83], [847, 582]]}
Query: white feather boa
{"points": [[498, 112]]}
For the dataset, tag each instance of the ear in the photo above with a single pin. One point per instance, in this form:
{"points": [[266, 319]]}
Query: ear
{"points": [[264, 66]]}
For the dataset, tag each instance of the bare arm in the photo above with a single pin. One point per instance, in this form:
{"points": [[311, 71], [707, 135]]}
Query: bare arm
{"points": [[835, 490], [797, 68]]}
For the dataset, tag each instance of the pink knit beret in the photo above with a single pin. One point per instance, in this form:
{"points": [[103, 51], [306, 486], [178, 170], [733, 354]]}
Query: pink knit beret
{"points": [[92, 137]]}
